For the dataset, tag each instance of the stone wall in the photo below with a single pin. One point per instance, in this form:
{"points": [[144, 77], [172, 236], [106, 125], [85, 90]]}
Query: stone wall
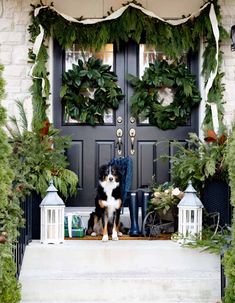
{"points": [[228, 14], [14, 44], [14, 20]]}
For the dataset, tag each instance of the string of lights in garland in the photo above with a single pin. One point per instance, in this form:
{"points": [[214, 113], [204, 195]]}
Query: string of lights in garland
{"points": [[165, 94], [89, 90]]}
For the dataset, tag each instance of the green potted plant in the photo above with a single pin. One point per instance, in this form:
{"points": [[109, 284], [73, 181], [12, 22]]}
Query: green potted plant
{"points": [[164, 200], [203, 162], [39, 157], [200, 160]]}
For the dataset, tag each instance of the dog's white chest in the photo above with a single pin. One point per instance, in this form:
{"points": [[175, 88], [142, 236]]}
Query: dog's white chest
{"points": [[112, 205], [108, 188]]}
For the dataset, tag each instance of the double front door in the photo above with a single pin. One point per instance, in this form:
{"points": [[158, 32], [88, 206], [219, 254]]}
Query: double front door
{"points": [[122, 134]]}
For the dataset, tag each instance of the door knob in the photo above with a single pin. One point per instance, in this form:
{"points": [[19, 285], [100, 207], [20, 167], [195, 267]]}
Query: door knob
{"points": [[132, 134], [119, 134]]}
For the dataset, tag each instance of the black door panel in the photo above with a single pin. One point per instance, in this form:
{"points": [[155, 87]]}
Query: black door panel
{"points": [[94, 146]]}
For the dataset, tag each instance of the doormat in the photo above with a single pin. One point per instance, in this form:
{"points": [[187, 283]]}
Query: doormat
{"points": [[125, 237]]}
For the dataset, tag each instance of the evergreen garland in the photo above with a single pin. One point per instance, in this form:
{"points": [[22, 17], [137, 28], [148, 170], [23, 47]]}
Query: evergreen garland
{"points": [[147, 102], [40, 94], [40, 88], [89, 90], [10, 216], [132, 24]]}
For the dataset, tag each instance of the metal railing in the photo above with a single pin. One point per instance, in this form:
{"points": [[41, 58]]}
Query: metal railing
{"points": [[25, 233]]}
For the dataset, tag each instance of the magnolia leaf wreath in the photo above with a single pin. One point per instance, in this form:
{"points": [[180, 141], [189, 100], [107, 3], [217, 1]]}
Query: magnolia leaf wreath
{"points": [[89, 90], [165, 95]]}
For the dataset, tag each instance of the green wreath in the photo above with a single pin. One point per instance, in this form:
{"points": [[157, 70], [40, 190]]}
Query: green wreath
{"points": [[147, 101], [89, 90]]}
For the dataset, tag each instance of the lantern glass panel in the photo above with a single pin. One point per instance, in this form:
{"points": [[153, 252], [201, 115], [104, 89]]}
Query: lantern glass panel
{"points": [[192, 216], [187, 216], [51, 224], [52, 216]]}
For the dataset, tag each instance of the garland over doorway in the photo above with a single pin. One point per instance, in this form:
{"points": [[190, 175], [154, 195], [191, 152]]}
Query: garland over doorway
{"points": [[173, 37]]}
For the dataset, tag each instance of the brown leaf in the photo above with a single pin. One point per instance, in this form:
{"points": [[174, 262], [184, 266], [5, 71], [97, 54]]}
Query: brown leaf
{"points": [[45, 130], [211, 136], [3, 237], [222, 139]]}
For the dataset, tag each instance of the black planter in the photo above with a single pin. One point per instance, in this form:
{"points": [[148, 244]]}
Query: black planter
{"points": [[216, 198]]}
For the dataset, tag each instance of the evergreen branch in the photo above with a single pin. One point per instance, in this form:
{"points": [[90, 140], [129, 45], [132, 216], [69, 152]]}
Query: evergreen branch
{"points": [[16, 129], [23, 117]]}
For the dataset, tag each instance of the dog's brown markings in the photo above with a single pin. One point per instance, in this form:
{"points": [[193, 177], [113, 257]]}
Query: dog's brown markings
{"points": [[105, 228], [101, 203]]}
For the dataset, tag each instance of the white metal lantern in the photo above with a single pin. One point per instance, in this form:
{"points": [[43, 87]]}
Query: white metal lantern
{"points": [[190, 214], [52, 217]]}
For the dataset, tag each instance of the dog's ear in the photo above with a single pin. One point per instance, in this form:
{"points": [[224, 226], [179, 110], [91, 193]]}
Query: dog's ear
{"points": [[120, 170], [102, 170]]}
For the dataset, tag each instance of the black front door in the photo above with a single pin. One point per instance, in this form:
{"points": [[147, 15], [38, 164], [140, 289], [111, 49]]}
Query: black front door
{"points": [[121, 135]]}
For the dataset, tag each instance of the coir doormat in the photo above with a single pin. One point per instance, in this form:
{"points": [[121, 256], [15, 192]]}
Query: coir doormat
{"points": [[125, 237]]}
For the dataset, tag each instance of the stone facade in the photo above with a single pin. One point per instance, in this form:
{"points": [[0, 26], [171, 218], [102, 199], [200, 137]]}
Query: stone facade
{"points": [[14, 44], [228, 13]]}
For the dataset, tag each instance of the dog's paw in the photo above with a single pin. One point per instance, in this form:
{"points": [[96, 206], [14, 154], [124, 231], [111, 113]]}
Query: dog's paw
{"points": [[105, 238], [114, 236], [93, 234], [120, 234]]}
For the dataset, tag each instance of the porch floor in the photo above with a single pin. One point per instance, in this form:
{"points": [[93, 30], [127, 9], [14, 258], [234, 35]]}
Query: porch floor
{"points": [[126, 271]]}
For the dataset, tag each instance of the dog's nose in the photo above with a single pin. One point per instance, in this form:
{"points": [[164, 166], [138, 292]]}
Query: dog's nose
{"points": [[110, 179]]}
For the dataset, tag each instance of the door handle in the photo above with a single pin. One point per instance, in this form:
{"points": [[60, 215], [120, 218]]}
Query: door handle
{"points": [[119, 134], [132, 134]]}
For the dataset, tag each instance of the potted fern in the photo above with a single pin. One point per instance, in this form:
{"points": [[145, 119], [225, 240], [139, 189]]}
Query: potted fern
{"points": [[200, 160], [36, 158], [203, 162], [39, 157]]}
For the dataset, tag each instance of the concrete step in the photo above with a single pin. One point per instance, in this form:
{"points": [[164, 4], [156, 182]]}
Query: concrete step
{"points": [[130, 271]]}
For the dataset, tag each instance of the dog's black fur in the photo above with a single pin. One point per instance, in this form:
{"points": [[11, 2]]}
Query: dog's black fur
{"points": [[106, 217]]}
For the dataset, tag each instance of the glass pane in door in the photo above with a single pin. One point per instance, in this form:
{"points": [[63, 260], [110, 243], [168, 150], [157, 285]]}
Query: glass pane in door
{"points": [[73, 54]]}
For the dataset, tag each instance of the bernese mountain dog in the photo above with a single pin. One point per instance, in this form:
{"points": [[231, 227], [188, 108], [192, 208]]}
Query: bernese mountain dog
{"points": [[105, 219]]}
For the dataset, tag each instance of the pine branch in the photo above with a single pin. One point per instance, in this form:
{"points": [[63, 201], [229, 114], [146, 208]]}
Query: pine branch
{"points": [[22, 113]]}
